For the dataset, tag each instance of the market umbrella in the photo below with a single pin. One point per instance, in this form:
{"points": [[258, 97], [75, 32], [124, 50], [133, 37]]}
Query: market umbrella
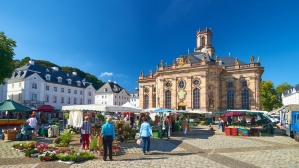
{"points": [[10, 105], [232, 113], [46, 108]]}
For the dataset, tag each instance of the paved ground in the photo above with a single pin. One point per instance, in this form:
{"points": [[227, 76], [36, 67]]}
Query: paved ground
{"points": [[201, 148]]}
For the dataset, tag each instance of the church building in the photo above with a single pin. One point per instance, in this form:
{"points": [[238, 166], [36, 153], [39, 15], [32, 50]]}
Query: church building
{"points": [[202, 81]]}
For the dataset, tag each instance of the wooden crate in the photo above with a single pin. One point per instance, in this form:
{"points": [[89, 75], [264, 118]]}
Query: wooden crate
{"points": [[10, 136]]}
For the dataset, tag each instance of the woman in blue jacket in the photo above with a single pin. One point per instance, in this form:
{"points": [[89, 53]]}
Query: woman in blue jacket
{"points": [[145, 133], [108, 137]]}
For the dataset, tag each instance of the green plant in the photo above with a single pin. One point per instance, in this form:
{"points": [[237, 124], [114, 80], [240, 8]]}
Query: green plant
{"points": [[66, 115], [93, 144]]}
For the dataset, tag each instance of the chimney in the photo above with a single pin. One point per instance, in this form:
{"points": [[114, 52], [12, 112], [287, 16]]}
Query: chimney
{"points": [[74, 73], [31, 62], [55, 68]]}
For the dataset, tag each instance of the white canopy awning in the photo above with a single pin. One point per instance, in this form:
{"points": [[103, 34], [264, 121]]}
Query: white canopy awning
{"points": [[100, 107]]}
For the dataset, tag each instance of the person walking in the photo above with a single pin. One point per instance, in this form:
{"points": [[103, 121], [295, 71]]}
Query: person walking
{"points": [[165, 128], [108, 137], [85, 133], [32, 121], [145, 133], [185, 125]]}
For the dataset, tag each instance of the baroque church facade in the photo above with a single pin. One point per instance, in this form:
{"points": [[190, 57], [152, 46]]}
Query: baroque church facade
{"points": [[200, 81]]}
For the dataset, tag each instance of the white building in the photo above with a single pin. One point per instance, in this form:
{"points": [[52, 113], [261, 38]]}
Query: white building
{"points": [[3, 92], [134, 97], [35, 85], [112, 94], [291, 96]]}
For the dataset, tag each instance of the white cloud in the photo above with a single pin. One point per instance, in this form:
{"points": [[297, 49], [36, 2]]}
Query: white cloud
{"points": [[106, 74]]}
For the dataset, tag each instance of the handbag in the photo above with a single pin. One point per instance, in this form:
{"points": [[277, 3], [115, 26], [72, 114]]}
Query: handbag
{"points": [[139, 141]]}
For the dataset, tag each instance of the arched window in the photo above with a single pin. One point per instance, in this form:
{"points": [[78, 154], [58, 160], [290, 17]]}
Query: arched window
{"points": [[146, 101], [154, 101], [245, 99], [203, 41], [230, 99], [168, 99], [196, 98]]}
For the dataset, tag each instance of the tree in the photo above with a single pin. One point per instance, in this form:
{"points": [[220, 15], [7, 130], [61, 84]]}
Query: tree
{"points": [[268, 95], [7, 67], [279, 90]]}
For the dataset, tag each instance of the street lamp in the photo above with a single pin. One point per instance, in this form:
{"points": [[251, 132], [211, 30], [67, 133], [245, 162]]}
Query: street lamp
{"points": [[7, 115]]}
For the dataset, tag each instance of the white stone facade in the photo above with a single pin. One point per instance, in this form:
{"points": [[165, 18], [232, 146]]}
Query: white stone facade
{"points": [[291, 96], [111, 94], [35, 89]]}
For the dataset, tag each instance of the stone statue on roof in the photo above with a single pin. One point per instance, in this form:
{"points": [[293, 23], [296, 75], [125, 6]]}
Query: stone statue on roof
{"points": [[157, 67], [162, 63], [151, 72], [217, 58], [258, 59], [204, 57], [236, 61], [252, 59]]}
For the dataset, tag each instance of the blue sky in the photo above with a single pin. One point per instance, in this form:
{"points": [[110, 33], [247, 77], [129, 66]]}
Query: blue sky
{"points": [[117, 39]]}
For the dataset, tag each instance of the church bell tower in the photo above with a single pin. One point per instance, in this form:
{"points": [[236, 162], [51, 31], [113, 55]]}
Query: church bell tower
{"points": [[204, 42]]}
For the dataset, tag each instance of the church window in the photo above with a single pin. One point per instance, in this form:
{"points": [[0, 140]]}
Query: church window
{"points": [[245, 99], [168, 84], [230, 99], [196, 82], [168, 99], [154, 101], [181, 84], [146, 101], [196, 98], [230, 85]]}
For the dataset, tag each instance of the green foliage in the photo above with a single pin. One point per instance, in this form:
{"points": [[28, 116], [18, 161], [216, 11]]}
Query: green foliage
{"points": [[181, 117], [66, 115], [93, 144], [7, 67], [268, 95], [279, 90]]}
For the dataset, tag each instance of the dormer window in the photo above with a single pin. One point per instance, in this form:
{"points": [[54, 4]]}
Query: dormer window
{"points": [[69, 81], [59, 80], [48, 77], [78, 83], [105, 90]]}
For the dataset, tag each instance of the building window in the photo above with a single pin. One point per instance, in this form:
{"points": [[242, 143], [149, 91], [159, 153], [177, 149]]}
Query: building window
{"points": [[69, 90], [196, 98], [89, 101], [196, 82], [62, 100], [244, 84], [230, 85], [75, 91], [34, 97], [154, 101], [59, 80], [75, 100], [181, 84], [69, 100], [47, 88], [55, 89], [81, 101], [168, 84], [47, 98], [105, 90], [168, 99], [89, 93], [81, 92], [47, 77], [230, 99], [34, 86], [146, 90], [69, 81], [245, 99], [20, 96], [62, 89], [54, 99], [146, 101]]}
